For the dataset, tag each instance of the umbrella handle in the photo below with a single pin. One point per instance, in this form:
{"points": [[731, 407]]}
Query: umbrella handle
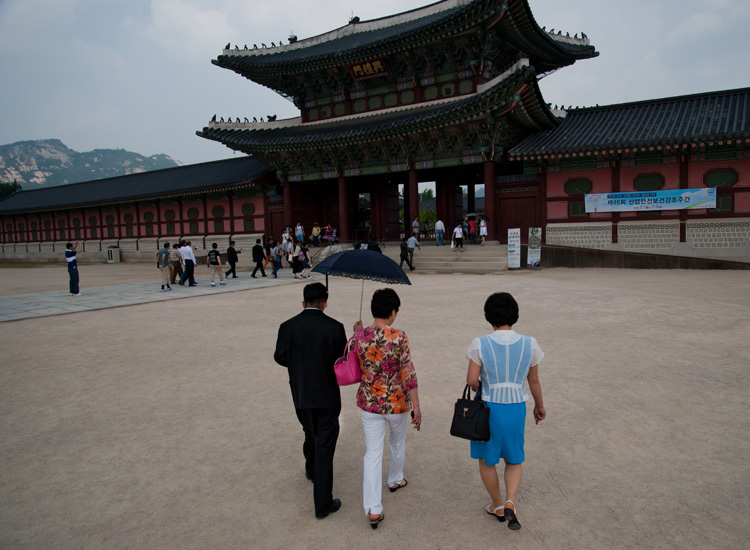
{"points": [[361, 299]]}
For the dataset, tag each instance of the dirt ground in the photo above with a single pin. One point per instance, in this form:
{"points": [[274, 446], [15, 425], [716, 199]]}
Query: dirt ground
{"points": [[168, 425]]}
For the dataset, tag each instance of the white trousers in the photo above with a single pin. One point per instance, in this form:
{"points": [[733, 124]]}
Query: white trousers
{"points": [[372, 483]]}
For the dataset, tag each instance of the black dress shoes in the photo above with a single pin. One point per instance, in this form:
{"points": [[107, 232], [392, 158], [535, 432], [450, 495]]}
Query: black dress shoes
{"points": [[335, 505]]}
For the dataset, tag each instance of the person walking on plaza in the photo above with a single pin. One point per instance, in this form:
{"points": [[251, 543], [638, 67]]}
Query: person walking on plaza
{"points": [[277, 253], [404, 255], [267, 249], [213, 262], [162, 262], [70, 256], [439, 231], [503, 361], [316, 235], [473, 230], [299, 231], [387, 394], [458, 236], [175, 263], [483, 229], [188, 256], [308, 345], [304, 257], [415, 226], [258, 257], [232, 260], [411, 244]]}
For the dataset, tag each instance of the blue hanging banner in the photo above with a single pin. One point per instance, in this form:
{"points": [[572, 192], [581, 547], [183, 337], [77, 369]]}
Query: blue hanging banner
{"points": [[675, 199]]}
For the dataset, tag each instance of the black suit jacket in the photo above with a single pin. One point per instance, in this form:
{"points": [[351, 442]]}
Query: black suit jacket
{"points": [[258, 255], [308, 345], [232, 255]]}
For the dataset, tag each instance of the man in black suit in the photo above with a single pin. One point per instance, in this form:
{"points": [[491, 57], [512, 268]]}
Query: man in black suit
{"points": [[232, 260], [258, 258], [308, 345]]}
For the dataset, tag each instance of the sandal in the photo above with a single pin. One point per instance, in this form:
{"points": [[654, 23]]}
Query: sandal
{"points": [[492, 510], [510, 516], [374, 521], [395, 488]]}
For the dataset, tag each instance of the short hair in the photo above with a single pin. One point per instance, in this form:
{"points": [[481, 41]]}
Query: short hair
{"points": [[182, 242], [69, 246], [231, 242], [257, 241], [188, 243], [166, 245], [384, 302], [214, 245], [501, 309], [315, 294]]}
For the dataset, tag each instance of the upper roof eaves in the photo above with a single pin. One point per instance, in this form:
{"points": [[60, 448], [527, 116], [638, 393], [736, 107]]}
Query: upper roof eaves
{"points": [[359, 37], [145, 185], [668, 121]]}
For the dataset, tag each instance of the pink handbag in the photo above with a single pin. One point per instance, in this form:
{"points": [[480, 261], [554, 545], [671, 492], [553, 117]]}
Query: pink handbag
{"points": [[347, 367]]}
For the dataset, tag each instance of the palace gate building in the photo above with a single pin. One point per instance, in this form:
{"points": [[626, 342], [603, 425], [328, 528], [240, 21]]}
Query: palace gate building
{"points": [[447, 93]]}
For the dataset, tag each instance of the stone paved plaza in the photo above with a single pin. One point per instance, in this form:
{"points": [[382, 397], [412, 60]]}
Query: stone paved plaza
{"points": [[165, 423]]}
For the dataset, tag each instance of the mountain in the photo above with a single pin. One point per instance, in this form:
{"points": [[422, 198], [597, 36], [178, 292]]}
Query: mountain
{"points": [[50, 162]]}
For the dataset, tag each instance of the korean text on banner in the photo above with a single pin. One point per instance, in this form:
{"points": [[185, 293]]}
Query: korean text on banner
{"points": [[514, 248], [674, 199], [534, 254]]}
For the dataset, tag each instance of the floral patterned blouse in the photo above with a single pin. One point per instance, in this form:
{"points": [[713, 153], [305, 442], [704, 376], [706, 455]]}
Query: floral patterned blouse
{"points": [[387, 371]]}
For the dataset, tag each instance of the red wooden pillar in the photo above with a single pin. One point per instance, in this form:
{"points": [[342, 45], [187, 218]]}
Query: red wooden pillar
{"points": [[542, 203], [343, 210], [230, 196], [413, 200], [489, 199], [288, 211]]}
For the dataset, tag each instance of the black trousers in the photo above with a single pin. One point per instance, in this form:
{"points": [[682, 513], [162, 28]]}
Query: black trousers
{"points": [[321, 427], [259, 265], [189, 272], [408, 262], [232, 265]]}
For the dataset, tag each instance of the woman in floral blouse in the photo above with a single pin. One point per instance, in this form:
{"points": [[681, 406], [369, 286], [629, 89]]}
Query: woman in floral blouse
{"points": [[387, 394]]}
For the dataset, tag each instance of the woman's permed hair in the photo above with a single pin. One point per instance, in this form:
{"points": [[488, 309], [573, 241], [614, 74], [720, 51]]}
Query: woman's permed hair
{"points": [[501, 309], [384, 302]]}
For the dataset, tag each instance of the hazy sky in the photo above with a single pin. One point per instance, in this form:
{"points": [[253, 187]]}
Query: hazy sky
{"points": [[137, 74]]}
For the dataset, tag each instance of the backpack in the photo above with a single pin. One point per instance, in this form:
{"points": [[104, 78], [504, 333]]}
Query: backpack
{"points": [[302, 255]]}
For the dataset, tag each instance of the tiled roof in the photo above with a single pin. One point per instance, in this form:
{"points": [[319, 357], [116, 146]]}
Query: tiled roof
{"points": [[670, 121], [183, 180], [343, 43], [374, 124]]}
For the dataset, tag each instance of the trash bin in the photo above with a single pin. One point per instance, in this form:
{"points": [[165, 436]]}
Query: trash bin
{"points": [[113, 255]]}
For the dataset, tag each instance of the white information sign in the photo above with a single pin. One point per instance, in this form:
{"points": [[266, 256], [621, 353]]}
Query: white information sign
{"points": [[514, 248], [534, 255]]}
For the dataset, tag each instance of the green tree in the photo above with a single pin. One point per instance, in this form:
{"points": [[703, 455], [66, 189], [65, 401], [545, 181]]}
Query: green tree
{"points": [[7, 189], [427, 195]]}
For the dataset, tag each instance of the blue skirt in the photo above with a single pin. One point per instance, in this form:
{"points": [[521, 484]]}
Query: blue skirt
{"points": [[507, 422]]}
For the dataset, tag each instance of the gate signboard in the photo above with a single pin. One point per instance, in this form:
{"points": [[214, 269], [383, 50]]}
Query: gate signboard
{"points": [[534, 254]]}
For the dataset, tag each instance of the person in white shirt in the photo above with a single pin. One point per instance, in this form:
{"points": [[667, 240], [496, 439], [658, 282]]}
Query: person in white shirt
{"points": [[411, 244], [415, 226], [458, 236], [439, 231], [188, 256]]}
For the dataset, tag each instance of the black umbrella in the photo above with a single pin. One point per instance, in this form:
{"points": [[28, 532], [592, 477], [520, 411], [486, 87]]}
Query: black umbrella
{"points": [[363, 264]]}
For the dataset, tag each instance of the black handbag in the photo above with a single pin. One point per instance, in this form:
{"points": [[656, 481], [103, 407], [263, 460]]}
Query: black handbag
{"points": [[471, 417]]}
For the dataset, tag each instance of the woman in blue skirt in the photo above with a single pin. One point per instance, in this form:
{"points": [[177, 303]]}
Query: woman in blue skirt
{"points": [[503, 361]]}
